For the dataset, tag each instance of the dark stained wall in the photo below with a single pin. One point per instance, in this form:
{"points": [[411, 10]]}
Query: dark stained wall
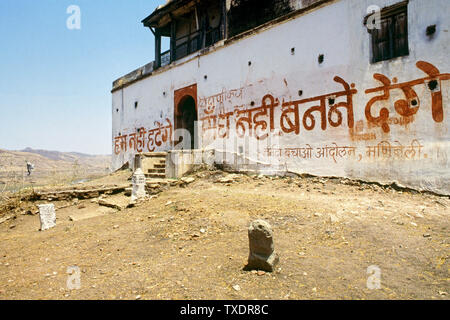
{"points": [[247, 14]]}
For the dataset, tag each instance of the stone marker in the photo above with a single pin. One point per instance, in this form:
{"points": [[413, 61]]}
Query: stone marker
{"points": [[47, 216], [138, 181], [262, 254]]}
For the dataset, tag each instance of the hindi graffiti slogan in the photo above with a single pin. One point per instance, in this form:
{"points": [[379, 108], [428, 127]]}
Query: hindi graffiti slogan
{"points": [[330, 110], [384, 150], [410, 105], [144, 139], [323, 110]]}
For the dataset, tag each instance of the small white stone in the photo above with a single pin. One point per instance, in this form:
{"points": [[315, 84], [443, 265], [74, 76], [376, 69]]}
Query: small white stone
{"points": [[138, 180], [237, 287], [333, 218], [47, 216]]}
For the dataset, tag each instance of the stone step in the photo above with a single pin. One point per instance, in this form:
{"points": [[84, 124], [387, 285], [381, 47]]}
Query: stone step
{"points": [[156, 155], [159, 181], [155, 175], [160, 166], [156, 170]]}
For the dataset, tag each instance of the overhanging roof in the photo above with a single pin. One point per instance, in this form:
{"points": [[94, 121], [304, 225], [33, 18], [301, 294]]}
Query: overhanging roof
{"points": [[162, 15]]}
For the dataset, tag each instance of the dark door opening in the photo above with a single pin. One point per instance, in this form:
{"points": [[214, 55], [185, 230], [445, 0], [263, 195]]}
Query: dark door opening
{"points": [[185, 105], [186, 119]]}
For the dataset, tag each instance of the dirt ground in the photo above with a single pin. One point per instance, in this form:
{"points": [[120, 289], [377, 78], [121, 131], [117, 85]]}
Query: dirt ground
{"points": [[191, 242]]}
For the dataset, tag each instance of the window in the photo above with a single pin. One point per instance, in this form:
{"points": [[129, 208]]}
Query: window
{"points": [[391, 40]]}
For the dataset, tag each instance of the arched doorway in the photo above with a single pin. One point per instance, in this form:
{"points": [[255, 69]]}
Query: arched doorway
{"points": [[185, 105], [186, 119]]}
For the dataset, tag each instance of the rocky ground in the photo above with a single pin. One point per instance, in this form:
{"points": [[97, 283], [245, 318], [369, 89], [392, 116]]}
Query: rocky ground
{"points": [[190, 241]]}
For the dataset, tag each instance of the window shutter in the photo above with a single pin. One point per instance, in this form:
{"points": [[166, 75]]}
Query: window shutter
{"points": [[401, 35], [391, 40], [380, 42]]}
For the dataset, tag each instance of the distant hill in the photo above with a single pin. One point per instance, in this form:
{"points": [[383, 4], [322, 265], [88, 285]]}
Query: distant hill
{"points": [[57, 155], [49, 164]]}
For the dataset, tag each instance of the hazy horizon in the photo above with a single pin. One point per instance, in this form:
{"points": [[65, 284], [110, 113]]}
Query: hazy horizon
{"points": [[29, 149]]}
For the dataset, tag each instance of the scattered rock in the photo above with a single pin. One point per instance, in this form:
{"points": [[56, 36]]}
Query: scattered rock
{"points": [[128, 192], [169, 203], [333, 218], [262, 254], [400, 223], [115, 202], [228, 179], [426, 235], [237, 287], [9, 217], [88, 215], [187, 180]]}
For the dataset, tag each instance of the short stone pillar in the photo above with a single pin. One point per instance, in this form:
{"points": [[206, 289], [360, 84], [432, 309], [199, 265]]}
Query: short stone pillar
{"points": [[138, 181], [262, 254], [47, 216]]}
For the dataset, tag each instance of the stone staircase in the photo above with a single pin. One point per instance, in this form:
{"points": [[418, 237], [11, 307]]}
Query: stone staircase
{"points": [[154, 165]]}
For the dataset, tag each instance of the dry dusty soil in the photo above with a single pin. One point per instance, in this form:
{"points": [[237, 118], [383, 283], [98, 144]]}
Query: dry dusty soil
{"points": [[191, 242]]}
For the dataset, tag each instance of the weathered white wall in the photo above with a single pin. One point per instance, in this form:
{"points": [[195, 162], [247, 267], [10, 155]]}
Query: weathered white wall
{"points": [[335, 30]]}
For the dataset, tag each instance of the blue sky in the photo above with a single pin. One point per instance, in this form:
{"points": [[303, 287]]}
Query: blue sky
{"points": [[55, 83]]}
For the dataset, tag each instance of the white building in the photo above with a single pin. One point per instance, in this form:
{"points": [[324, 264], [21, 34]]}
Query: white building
{"points": [[347, 88]]}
